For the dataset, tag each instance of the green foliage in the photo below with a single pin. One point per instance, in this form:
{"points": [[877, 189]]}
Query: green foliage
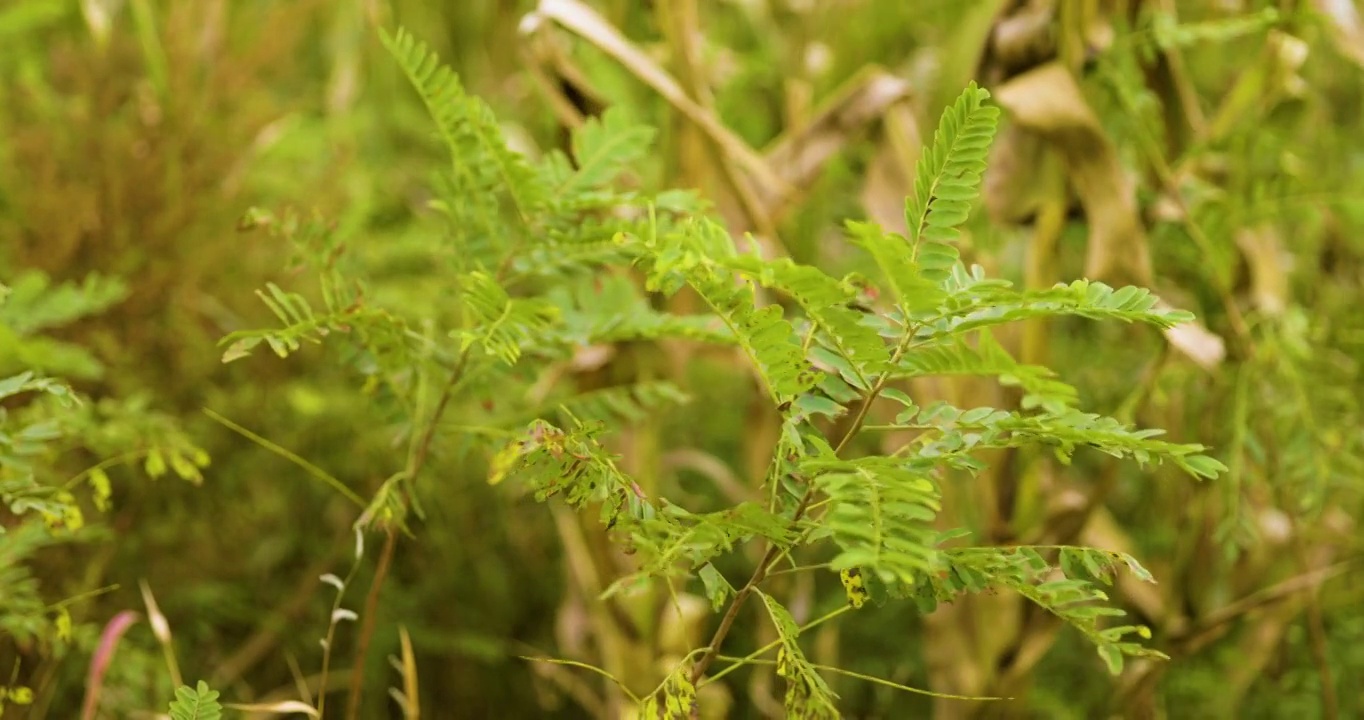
{"points": [[1066, 589], [604, 148], [675, 700], [23, 614], [486, 179], [836, 355], [880, 515], [947, 180], [32, 304], [15, 695], [196, 703], [729, 421], [827, 305], [807, 694], [45, 428], [694, 256], [505, 326]]}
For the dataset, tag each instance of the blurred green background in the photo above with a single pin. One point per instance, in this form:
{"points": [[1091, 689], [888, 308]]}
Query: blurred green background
{"points": [[135, 135]]}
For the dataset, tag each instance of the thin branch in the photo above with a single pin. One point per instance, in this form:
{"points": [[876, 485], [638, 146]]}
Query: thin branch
{"points": [[775, 551], [367, 623], [416, 461]]}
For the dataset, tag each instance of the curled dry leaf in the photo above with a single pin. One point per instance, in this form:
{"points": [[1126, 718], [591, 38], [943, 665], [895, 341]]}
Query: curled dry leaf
{"points": [[285, 707], [1347, 30], [583, 21], [1205, 348], [1048, 101]]}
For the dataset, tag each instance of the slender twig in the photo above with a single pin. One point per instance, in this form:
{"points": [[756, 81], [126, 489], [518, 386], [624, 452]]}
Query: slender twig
{"points": [[293, 457], [367, 623], [740, 662], [1188, 641], [416, 461], [329, 641]]}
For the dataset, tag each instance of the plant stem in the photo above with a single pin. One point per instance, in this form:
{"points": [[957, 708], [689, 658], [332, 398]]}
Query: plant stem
{"points": [[416, 461], [367, 624], [737, 603], [774, 551], [739, 662]]}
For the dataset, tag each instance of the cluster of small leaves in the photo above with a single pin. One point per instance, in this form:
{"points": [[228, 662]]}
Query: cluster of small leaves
{"points": [[674, 700], [807, 694], [980, 354], [828, 306], [575, 465], [505, 326], [880, 514], [956, 432], [33, 304], [15, 695], [196, 703], [668, 539], [23, 613], [524, 243], [946, 181], [821, 349], [26, 444], [1066, 589], [45, 426], [677, 542], [696, 255]]}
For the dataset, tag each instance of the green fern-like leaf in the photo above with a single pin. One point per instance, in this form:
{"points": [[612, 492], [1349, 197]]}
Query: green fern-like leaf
{"points": [[947, 180], [1070, 597], [954, 356], [808, 696], [33, 304], [892, 255], [602, 147], [827, 303], [961, 432], [506, 326], [484, 171], [674, 700], [694, 257], [23, 613], [880, 515], [197, 703], [1081, 298], [303, 324]]}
